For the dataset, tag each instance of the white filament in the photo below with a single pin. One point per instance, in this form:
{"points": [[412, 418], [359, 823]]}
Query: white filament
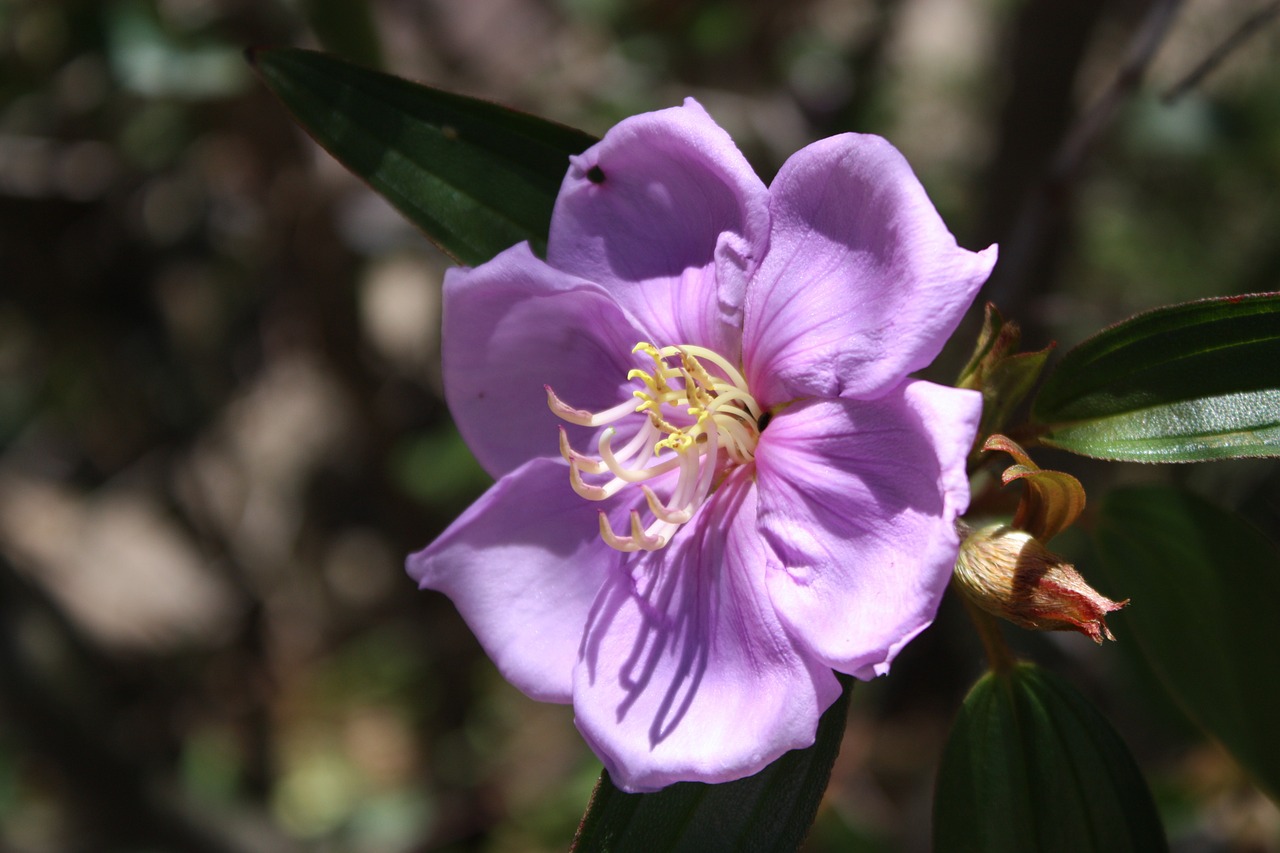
{"points": [[724, 418]]}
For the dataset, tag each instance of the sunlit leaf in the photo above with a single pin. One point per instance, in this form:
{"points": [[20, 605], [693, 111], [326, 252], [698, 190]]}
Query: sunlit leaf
{"points": [[1183, 383], [770, 811], [1205, 587], [476, 177], [1031, 766]]}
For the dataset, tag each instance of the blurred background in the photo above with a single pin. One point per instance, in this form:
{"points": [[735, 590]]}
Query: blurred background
{"points": [[221, 424]]}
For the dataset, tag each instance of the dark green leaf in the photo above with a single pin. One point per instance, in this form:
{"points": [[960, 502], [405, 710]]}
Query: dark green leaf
{"points": [[770, 811], [1205, 587], [1178, 384], [476, 177], [1031, 766]]}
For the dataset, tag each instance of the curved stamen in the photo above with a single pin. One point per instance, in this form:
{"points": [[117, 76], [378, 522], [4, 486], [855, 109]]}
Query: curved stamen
{"points": [[662, 512], [590, 492], [642, 440], [702, 353], [581, 461], [737, 395], [639, 540], [581, 416], [740, 444], [708, 472], [686, 483], [690, 415], [630, 475]]}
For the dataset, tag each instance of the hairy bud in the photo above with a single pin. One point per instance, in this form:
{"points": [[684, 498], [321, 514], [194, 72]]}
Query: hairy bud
{"points": [[1010, 574]]}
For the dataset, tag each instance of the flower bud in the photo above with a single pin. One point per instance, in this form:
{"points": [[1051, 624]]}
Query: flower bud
{"points": [[1010, 574]]}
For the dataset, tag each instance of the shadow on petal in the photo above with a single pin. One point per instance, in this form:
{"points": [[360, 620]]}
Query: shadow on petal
{"points": [[686, 672]]}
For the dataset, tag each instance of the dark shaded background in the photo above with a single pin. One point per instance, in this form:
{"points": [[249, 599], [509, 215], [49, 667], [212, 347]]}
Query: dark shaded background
{"points": [[221, 426]]}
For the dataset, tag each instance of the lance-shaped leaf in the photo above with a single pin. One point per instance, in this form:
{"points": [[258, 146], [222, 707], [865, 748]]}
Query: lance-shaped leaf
{"points": [[1031, 766], [1207, 588], [770, 812], [476, 177], [1183, 383]]}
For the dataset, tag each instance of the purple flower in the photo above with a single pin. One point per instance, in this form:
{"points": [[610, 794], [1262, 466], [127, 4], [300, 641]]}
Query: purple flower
{"points": [[746, 491]]}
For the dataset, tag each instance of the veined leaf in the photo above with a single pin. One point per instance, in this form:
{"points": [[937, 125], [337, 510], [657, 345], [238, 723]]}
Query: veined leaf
{"points": [[1205, 586], [1183, 383], [1031, 766], [476, 177], [765, 813]]}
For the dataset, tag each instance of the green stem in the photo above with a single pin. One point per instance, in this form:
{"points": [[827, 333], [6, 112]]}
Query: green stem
{"points": [[998, 652]]}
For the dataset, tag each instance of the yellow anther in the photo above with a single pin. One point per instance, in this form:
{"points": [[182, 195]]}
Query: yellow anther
{"points": [[699, 373], [679, 441], [713, 418], [664, 425]]}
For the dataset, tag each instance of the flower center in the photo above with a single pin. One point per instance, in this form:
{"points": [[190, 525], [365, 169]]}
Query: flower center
{"points": [[699, 419]]}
